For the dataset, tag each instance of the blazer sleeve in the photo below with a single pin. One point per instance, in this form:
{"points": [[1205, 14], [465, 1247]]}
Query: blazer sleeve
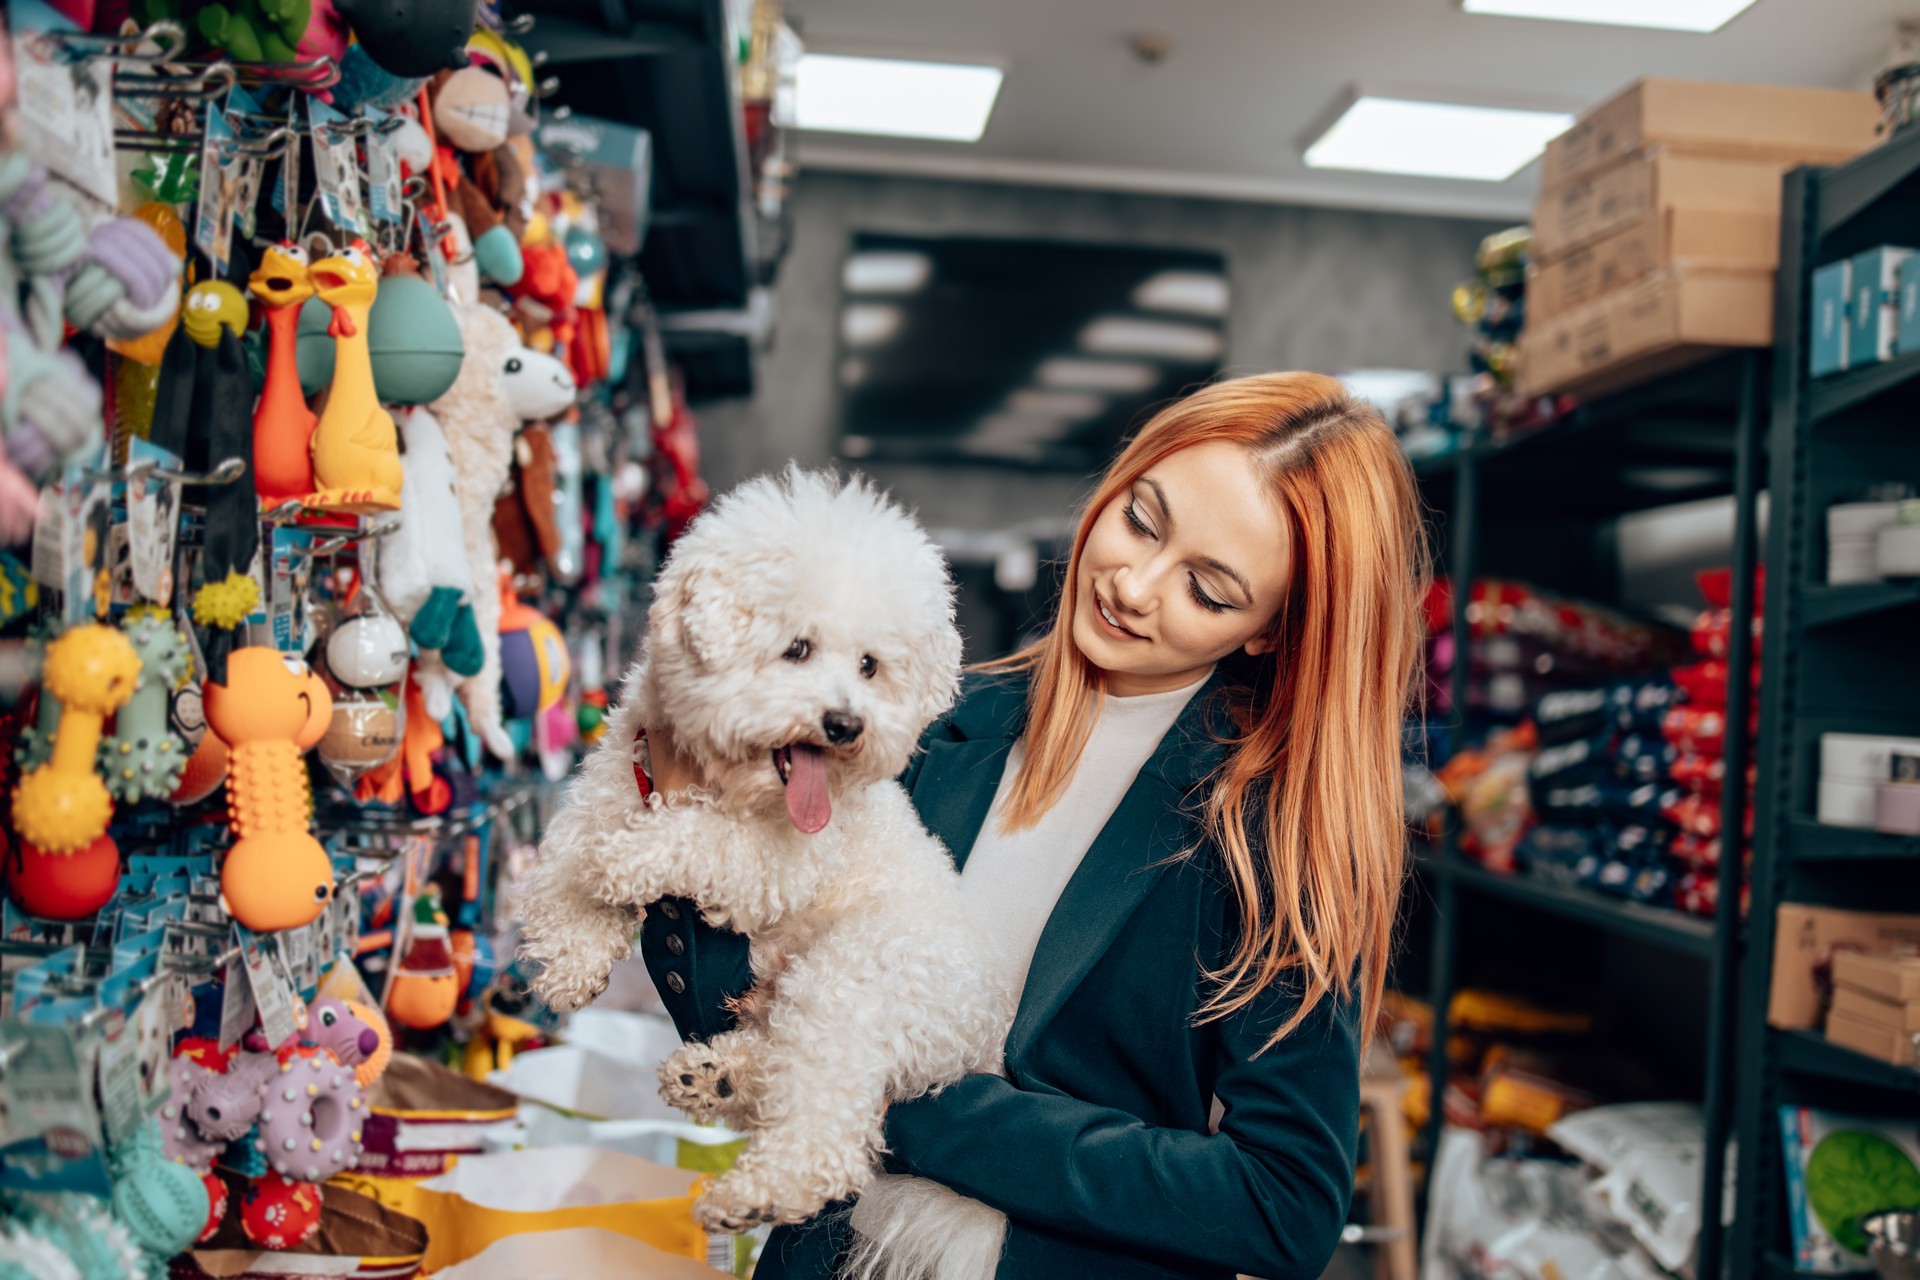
{"points": [[1266, 1195]]}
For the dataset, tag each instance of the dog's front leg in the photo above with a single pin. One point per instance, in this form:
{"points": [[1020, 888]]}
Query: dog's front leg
{"points": [[718, 1079]]}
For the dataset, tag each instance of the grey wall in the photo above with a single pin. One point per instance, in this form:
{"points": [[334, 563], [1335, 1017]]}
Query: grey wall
{"points": [[1312, 289]]}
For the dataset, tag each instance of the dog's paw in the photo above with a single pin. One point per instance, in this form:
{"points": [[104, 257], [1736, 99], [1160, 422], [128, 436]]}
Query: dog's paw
{"points": [[746, 1197], [695, 1080]]}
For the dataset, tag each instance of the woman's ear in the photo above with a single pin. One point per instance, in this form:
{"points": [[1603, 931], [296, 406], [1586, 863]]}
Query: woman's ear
{"points": [[1262, 644]]}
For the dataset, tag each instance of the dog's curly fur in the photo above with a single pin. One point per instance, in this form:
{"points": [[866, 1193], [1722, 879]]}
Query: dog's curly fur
{"points": [[871, 984]]}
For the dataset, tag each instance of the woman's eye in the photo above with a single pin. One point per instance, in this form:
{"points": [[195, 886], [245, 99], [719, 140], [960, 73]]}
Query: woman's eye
{"points": [[798, 651], [1133, 519], [1202, 599], [868, 665]]}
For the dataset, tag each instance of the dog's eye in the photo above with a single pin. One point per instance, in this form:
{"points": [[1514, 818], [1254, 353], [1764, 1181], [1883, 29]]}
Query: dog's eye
{"points": [[868, 665], [798, 651]]}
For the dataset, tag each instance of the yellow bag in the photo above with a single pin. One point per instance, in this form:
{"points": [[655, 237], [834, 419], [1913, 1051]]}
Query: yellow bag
{"points": [[483, 1199]]}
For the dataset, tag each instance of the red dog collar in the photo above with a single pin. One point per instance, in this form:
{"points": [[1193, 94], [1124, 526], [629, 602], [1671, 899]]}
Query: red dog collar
{"points": [[640, 778]]}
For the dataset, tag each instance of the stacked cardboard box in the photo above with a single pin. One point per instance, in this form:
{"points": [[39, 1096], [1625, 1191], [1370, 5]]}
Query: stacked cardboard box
{"points": [[1658, 226], [1876, 1004]]}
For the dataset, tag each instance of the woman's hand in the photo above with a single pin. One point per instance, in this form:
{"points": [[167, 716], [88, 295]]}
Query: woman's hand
{"points": [[671, 770]]}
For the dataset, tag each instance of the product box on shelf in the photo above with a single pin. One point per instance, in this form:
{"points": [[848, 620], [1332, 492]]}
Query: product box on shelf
{"points": [[1567, 217], [1904, 1018], [1892, 976], [1832, 290], [1908, 339], [1840, 1169], [1666, 322], [1700, 238], [1873, 319], [1853, 540], [1882, 1040], [1814, 126], [1806, 939]]}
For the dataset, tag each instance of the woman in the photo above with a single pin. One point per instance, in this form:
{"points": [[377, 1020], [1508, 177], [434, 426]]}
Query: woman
{"points": [[1178, 818]]}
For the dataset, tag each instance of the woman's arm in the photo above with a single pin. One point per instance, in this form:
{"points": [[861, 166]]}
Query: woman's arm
{"points": [[1267, 1194]]}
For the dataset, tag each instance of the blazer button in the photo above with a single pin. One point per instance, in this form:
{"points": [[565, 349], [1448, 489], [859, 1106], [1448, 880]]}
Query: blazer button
{"points": [[670, 910], [675, 947], [676, 984]]}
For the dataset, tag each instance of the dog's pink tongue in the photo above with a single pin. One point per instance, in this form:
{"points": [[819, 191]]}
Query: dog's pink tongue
{"points": [[807, 801]]}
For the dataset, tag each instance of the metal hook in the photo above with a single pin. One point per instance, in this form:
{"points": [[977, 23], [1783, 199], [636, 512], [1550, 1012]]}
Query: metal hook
{"points": [[547, 88], [368, 534], [170, 35], [229, 470], [198, 89], [520, 25], [271, 147]]}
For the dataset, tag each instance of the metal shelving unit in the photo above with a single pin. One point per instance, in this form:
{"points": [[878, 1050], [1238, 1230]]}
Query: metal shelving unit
{"points": [[667, 66], [1553, 497], [1836, 660]]}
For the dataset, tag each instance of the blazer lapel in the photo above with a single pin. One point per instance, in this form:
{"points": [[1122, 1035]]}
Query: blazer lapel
{"points": [[955, 790], [1151, 826]]}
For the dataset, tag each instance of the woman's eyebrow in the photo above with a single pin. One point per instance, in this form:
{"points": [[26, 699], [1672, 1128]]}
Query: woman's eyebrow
{"points": [[1160, 496]]}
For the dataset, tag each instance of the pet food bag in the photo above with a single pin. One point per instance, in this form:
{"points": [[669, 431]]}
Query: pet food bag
{"points": [[485, 1199], [585, 1082], [577, 1252], [424, 1116], [359, 1239]]}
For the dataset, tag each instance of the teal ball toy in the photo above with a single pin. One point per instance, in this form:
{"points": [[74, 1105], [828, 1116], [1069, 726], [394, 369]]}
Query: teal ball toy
{"points": [[412, 337]]}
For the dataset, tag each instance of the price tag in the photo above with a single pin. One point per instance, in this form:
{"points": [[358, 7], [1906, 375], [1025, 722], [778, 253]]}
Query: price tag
{"points": [[121, 1107], [436, 259], [335, 168], [165, 1010], [153, 519], [237, 1007], [49, 1116], [296, 952], [215, 212], [272, 993], [383, 174]]}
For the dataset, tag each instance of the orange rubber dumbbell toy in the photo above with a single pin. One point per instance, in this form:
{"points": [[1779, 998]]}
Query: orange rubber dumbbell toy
{"points": [[63, 806], [270, 710]]}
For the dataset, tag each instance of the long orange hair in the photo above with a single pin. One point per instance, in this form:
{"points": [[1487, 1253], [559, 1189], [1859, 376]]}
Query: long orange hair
{"points": [[1306, 809]]}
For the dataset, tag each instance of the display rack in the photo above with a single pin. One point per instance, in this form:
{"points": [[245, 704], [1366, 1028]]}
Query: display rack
{"points": [[1544, 507], [1837, 659], [668, 67]]}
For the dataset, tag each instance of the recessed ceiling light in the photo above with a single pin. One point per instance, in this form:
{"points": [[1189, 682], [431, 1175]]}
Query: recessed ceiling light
{"points": [[886, 271], [1194, 293], [1068, 373], [1170, 340], [866, 324], [1067, 405], [1665, 15], [949, 101], [1436, 139]]}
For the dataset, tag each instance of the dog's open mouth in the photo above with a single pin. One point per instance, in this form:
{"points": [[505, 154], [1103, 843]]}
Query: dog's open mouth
{"points": [[803, 772]]}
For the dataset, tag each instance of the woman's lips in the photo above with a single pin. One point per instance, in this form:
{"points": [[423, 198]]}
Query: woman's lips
{"points": [[1110, 620]]}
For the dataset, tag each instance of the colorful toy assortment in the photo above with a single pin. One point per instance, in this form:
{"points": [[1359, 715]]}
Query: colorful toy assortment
{"points": [[296, 315]]}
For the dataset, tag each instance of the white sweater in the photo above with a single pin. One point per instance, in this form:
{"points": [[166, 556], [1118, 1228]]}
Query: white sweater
{"points": [[1013, 879]]}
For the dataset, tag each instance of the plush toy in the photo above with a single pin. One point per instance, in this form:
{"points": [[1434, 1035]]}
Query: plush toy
{"points": [[411, 37], [356, 453], [534, 664], [269, 710], [62, 806], [282, 423], [425, 573], [501, 384], [149, 347], [256, 30], [142, 759], [410, 774]]}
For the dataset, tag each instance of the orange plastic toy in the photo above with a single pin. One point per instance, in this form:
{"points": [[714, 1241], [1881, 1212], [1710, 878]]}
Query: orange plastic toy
{"points": [[271, 709], [63, 806], [282, 423], [356, 450]]}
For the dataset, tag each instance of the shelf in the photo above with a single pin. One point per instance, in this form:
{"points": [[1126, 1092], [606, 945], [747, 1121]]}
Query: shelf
{"points": [[1813, 841], [1823, 606], [1808, 1053], [1780, 1267], [1829, 397], [1853, 188], [1656, 925]]}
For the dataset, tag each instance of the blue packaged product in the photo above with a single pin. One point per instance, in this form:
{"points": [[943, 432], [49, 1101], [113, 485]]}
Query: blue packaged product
{"points": [[1830, 330]]}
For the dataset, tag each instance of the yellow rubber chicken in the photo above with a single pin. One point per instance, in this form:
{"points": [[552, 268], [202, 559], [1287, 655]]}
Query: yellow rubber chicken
{"points": [[356, 451]]}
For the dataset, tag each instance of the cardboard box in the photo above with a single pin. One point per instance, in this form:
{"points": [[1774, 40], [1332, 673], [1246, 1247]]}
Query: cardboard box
{"points": [[1663, 323], [1706, 238], [1865, 1008], [1871, 1038], [1578, 213], [1890, 976], [1874, 317], [1832, 290], [1909, 336], [1805, 940], [1812, 126]]}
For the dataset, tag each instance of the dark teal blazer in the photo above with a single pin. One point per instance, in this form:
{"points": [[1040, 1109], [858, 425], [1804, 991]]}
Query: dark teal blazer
{"points": [[1097, 1146]]}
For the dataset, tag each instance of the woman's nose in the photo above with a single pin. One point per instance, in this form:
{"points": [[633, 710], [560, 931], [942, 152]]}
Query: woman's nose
{"points": [[1132, 590]]}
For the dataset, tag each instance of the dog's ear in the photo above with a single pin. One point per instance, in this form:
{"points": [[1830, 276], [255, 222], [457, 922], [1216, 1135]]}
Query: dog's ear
{"points": [[696, 613]]}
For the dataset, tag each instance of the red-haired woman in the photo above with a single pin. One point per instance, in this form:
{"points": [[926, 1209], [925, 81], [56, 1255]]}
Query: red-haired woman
{"points": [[1179, 818]]}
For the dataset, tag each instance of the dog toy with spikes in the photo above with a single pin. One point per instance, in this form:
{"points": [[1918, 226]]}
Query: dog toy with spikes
{"points": [[142, 760], [63, 806]]}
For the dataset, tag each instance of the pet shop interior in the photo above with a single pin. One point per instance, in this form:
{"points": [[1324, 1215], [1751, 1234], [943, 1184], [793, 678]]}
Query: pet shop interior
{"points": [[360, 361]]}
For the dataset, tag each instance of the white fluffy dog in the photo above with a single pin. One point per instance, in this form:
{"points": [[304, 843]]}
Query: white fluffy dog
{"points": [[802, 638]]}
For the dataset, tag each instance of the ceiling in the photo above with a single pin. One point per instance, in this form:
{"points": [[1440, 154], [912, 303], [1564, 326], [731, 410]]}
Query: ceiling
{"points": [[1225, 112]]}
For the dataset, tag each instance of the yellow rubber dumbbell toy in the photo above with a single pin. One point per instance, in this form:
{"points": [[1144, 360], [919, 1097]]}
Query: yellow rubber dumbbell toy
{"points": [[63, 806]]}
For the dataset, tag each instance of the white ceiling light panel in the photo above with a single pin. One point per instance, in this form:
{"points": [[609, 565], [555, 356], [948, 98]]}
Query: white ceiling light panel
{"points": [[1071, 374], [886, 271], [1436, 139], [868, 324], [1163, 339], [894, 97], [1193, 293], [1661, 15]]}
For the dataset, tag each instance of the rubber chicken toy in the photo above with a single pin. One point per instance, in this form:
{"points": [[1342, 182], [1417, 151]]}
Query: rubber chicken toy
{"points": [[282, 423], [356, 450]]}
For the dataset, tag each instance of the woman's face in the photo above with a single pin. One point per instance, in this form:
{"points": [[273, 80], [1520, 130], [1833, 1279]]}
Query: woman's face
{"points": [[1180, 570]]}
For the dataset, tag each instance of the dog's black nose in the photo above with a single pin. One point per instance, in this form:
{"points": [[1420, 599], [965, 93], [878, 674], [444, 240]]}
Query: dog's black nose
{"points": [[842, 727]]}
